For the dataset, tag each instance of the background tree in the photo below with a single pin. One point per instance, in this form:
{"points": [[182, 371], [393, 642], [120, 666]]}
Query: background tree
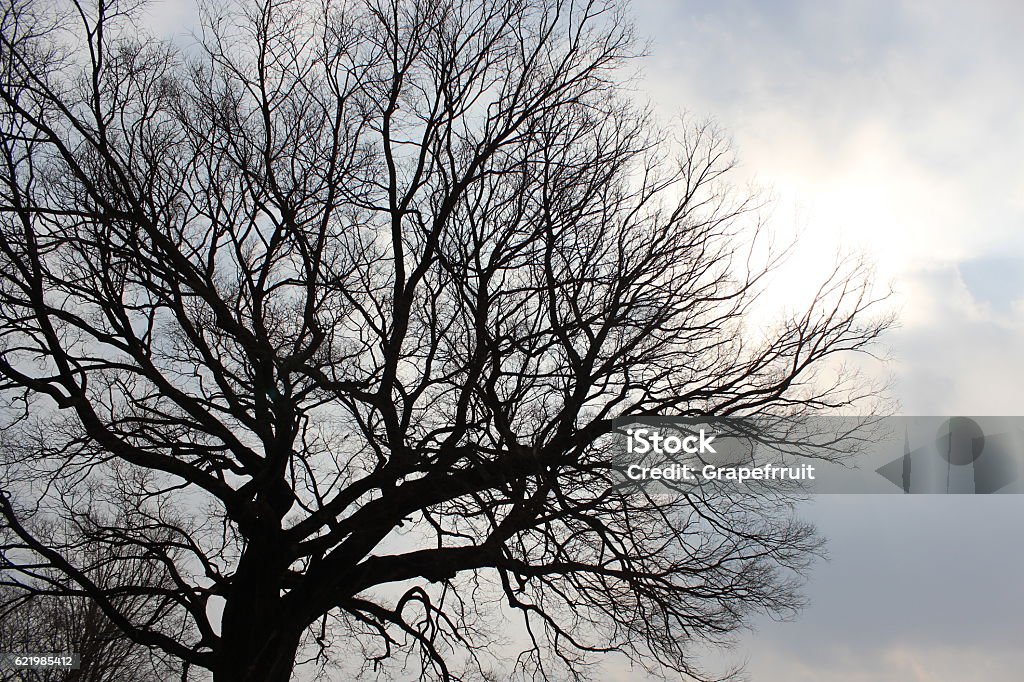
{"points": [[332, 314], [46, 613]]}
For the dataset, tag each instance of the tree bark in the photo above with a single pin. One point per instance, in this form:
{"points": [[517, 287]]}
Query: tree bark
{"points": [[266, 652], [259, 640]]}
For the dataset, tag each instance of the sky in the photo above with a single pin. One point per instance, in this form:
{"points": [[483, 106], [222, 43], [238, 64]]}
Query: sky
{"points": [[891, 129]]}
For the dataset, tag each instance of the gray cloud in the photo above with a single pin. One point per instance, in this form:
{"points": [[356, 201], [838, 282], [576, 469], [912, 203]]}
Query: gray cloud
{"points": [[920, 587]]}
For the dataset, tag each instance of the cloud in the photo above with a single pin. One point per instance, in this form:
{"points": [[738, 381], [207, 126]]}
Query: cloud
{"points": [[895, 665], [893, 128], [959, 347], [916, 588], [890, 125]]}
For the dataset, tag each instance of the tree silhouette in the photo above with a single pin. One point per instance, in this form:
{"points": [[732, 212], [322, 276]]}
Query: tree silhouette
{"points": [[326, 319], [47, 614]]}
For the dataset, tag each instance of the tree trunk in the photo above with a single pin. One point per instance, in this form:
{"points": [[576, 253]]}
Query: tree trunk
{"points": [[259, 640], [266, 654]]}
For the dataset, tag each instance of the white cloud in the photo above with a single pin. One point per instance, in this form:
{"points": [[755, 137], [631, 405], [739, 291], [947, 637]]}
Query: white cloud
{"points": [[885, 127]]}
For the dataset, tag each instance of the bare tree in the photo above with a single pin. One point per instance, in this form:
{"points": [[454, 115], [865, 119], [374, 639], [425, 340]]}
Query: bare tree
{"points": [[47, 613], [333, 313]]}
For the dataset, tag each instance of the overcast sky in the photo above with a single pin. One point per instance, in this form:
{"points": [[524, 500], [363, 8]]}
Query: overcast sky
{"points": [[893, 128]]}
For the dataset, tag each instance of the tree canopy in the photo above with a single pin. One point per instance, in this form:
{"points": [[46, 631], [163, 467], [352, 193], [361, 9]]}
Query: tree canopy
{"points": [[323, 323]]}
